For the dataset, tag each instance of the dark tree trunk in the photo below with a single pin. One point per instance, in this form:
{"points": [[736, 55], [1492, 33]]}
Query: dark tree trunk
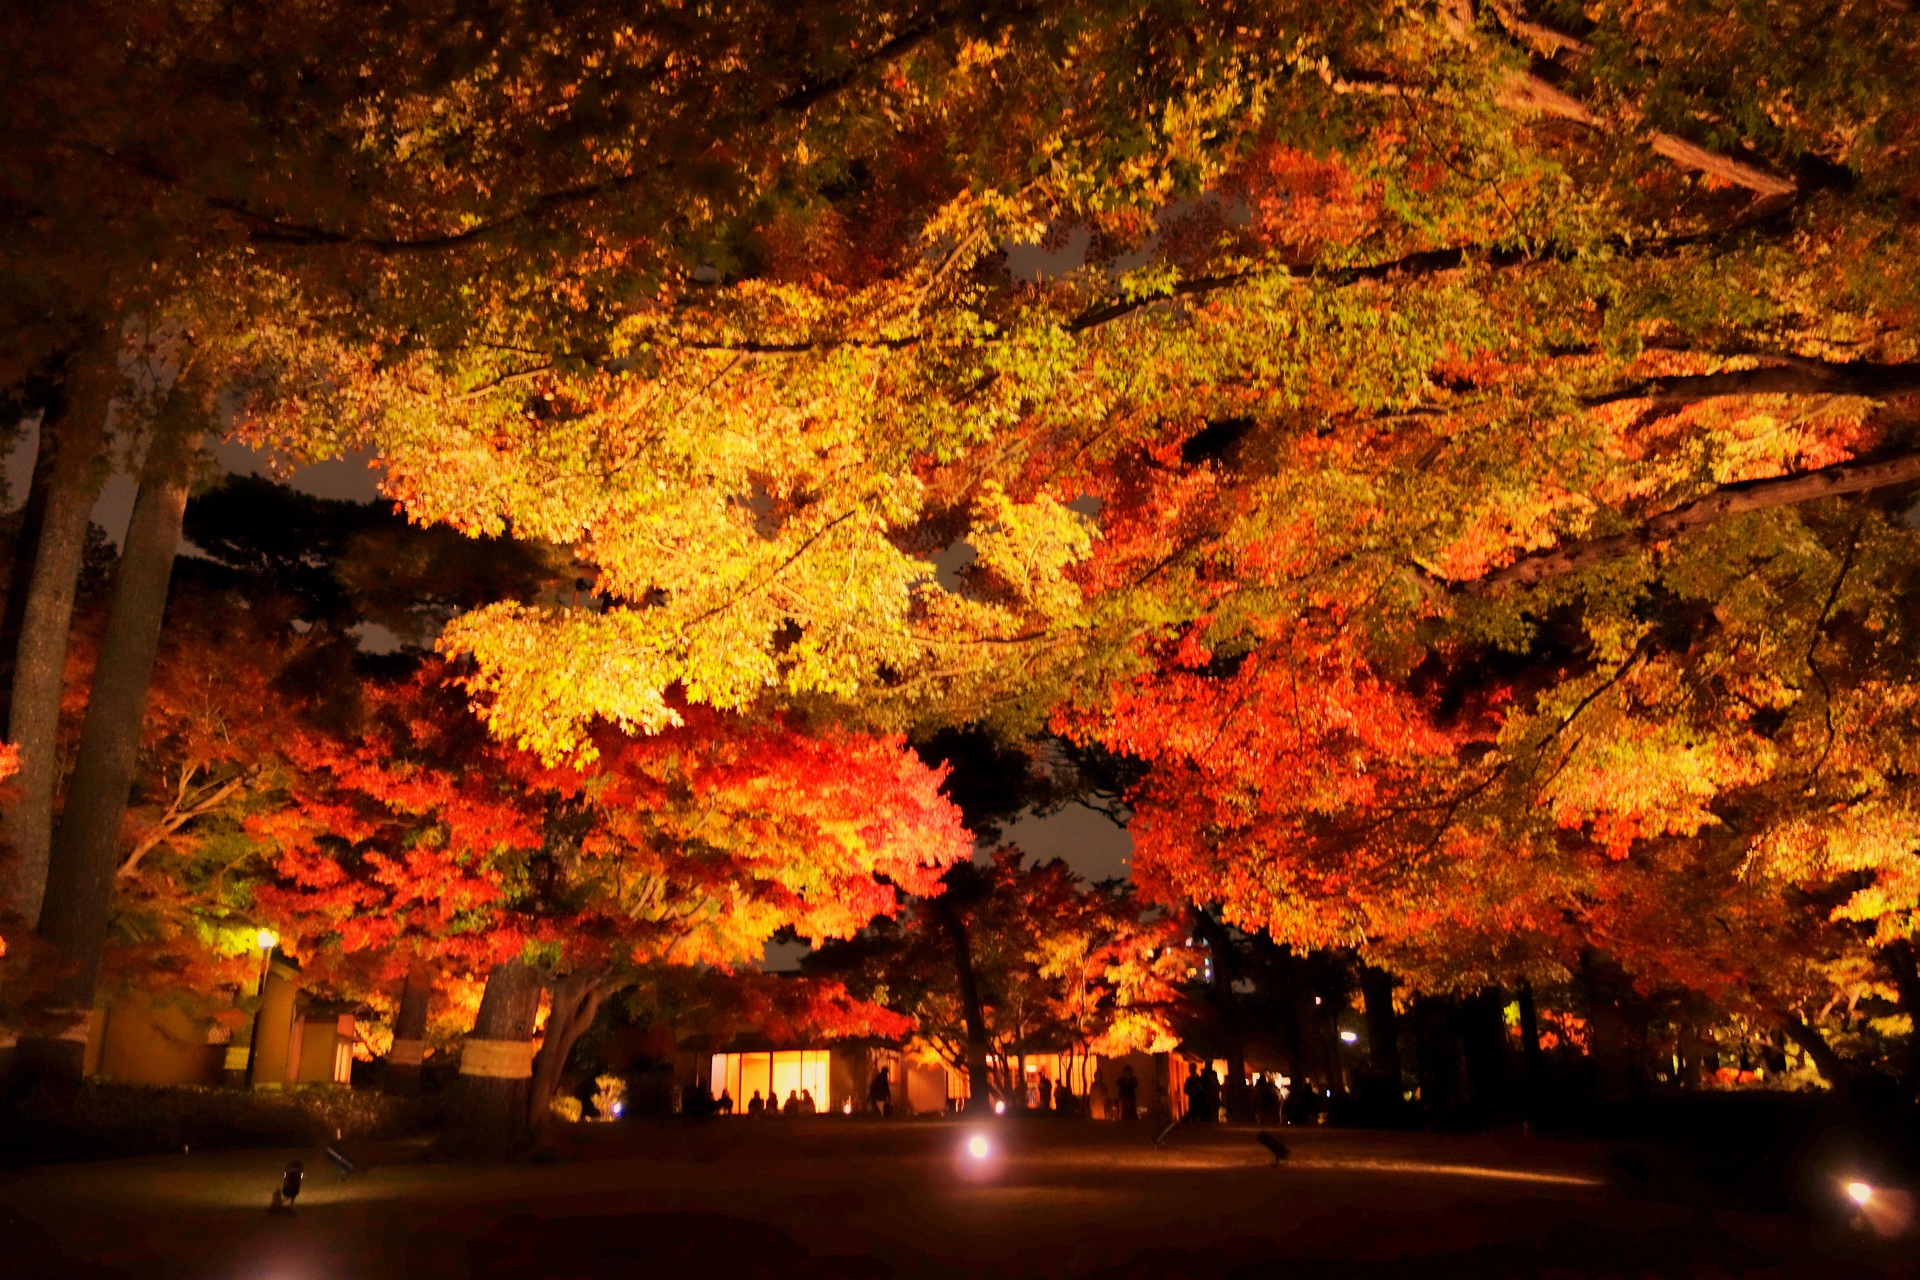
{"points": [[410, 1031], [1315, 1068], [488, 1115], [86, 850], [1383, 1034], [1899, 959], [1226, 1007], [1331, 992], [1616, 1074], [576, 1003], [1531, 1054], [1483, 1036], [73, 442], [26, 549], [970, 1005], [1437, 1055], [1825, 1057]]}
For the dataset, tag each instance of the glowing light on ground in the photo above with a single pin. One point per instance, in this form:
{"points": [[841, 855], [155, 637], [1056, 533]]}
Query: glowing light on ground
{"points": [[978, 1147], [1859, 1192]]}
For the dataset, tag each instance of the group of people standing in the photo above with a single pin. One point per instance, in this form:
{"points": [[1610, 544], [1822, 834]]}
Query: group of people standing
{"points": [[799, 1103], [1204, 1099]]}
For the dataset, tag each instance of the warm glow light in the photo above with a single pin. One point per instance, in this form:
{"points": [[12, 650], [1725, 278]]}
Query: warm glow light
{"points": [[267, 939], [978, 1147], [999, 1107], [1859, 1192], [1351, 1037]]}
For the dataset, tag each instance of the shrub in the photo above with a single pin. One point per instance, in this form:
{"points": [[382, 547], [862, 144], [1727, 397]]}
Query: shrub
{"points": [[103, 1120]]}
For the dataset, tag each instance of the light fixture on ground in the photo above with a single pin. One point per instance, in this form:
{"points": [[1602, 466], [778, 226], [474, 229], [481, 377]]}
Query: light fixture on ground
{"points": [[1859, 1192], [978, 1147], [1350, 1037]]}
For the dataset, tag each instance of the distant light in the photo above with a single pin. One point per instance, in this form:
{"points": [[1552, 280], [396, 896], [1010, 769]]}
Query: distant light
{"points": [[999, 1106], [846, 1108], [1859, 1192], [266, 939], [618, 1107], [1351, 1037], [978, 1147]]}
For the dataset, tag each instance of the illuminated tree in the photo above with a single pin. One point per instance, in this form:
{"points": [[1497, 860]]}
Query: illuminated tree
{"points": [[1057, 965]]}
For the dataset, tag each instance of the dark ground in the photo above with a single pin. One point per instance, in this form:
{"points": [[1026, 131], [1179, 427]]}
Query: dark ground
{"points": [[847, 1198]]}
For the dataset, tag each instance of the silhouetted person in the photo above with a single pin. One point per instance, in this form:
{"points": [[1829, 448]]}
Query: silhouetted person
{"points": [[726, 1103], [1266, 1101], [880, 1093], [1190, 1090], [807, 1105], [791, 1107], [1209, 1095], [756, 1105], [1129, 1087]]}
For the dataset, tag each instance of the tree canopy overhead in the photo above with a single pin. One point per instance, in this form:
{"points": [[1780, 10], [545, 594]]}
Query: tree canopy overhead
{"points": [[1460, 451]]}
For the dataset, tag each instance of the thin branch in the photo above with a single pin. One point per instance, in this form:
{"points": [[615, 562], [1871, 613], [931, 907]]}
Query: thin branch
{"points": [[175, 818], [775, 572]]}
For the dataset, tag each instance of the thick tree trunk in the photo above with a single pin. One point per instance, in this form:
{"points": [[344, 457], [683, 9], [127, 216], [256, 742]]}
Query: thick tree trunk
{"points": [[977, 1041], [488, 1118], [26, 549], [1437, 1055], [576, 1003], [1617, 1073], [74, 443], [1535, 1060], [410, 1031], [1899, 959], [1383, 1031], [1825, 1057], [86, 850], [1226, 1007], [1483, 1036]]}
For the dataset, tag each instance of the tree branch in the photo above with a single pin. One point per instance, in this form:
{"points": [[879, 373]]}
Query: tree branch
{"points": [[176, 817], [1728, 500], [1794, 376], [1825, 1057]]}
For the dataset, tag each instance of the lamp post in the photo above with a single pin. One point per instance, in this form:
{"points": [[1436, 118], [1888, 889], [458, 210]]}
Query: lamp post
{"points": [[266, 940]]}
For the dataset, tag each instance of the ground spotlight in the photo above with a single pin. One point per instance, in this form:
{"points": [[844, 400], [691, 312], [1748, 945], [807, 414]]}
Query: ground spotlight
{"points": [[999, 1107], [1859, 1192], [978, 1147], [1350, 1037]]}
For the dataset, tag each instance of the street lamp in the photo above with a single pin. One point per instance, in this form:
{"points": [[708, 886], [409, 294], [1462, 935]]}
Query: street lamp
{"points": [[265, 939]]}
